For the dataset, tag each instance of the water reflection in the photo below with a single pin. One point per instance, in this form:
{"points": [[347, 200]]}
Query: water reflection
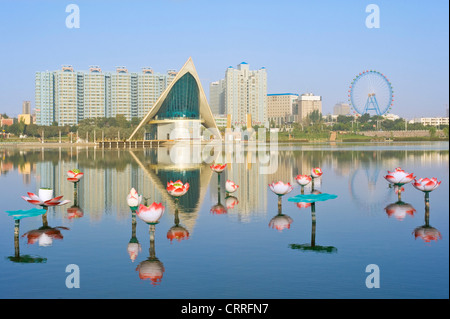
{"points": [[45, 235], [426, 231], [75, 211], [18, 215], [151, 269], [133, 247], [400, 210], [177, 231], [303, 201]]}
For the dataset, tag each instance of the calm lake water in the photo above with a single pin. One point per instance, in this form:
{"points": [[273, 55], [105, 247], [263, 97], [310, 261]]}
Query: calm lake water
{"points": [[231, 248]]}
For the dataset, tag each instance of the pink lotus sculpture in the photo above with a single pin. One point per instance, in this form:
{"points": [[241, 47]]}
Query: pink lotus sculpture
{"points": [[316, 172], [281, 188], [45, 198], [230, 186], [303, 180], [399, 178], [426, 185], [150, 214], [134, 199], [177, 188], [74, 175], [218, 168]]}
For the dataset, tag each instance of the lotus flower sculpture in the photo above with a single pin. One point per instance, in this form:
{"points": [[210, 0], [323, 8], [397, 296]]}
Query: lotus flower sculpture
{"points": [[134, 199], [218, 168], [426, 185], [399, 178], [177, 188], [281, 188], [150, 214], [45, 198], [230, 186], [303, 180], [316, 172], [74, 175]]}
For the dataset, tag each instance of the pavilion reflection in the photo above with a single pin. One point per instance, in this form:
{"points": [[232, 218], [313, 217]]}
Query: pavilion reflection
{"points": [[160, 170]]}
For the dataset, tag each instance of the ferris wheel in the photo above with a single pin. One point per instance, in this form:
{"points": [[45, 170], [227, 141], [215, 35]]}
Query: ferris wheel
{"points": [[371, 91]]}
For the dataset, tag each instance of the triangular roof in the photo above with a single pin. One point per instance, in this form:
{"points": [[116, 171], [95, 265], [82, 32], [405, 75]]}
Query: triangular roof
{"points": [[205, 111]]}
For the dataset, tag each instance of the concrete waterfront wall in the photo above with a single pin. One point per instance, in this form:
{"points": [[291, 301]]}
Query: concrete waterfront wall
{"points": [[388, 134]]}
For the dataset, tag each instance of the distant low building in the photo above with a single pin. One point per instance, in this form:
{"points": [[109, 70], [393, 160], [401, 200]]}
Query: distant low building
{"points": [[25, 118], [341, 109], [306, 104], [434, 121], [7, 122]]}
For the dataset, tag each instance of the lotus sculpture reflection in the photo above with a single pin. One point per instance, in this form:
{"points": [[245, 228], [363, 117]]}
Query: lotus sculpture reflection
{"points": [[400, 210], [280, 222]]}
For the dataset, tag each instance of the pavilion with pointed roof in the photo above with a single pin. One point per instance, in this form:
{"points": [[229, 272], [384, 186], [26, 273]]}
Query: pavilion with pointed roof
{"points": [[180, 110]]}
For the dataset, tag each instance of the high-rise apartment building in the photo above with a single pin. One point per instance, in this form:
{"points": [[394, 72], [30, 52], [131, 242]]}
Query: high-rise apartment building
{"points": [[67, 96], [217, 97], [26, 107], [306, 104], [341, 109], [45, 98], [244, 93]]}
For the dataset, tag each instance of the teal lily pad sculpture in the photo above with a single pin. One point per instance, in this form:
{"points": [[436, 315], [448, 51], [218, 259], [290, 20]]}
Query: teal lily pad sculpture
{"points": [[312, 198], [19, 214]]}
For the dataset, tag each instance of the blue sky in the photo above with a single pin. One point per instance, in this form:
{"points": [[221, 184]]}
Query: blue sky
{"points": [[306, 46]]}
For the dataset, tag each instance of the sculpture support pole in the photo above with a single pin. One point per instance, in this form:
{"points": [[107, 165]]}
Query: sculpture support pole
{"points": [[313, 224], [279, 204], [152, 241]]}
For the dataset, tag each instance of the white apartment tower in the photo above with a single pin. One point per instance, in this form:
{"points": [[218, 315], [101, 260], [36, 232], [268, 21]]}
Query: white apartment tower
{"points": [[246, 93]]}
